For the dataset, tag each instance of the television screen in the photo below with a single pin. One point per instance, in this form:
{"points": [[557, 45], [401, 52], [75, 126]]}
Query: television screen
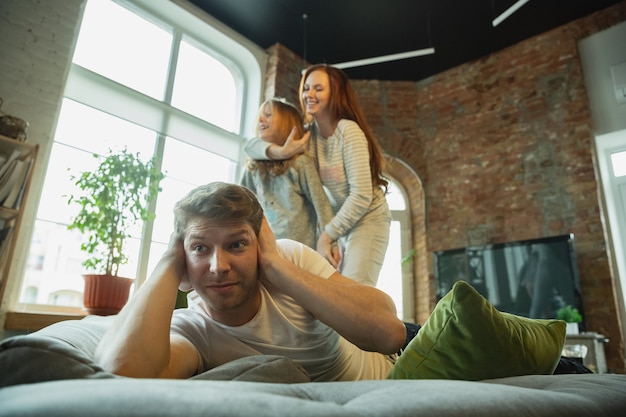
{"points": [[531, 278]]}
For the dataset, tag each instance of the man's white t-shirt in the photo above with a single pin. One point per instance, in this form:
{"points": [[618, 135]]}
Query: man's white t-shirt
{"points": [[281, 327]]}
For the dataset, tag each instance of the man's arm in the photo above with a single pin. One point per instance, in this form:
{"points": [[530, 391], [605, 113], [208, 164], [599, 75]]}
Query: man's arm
{"points": [[138, 344], [362, 314]]}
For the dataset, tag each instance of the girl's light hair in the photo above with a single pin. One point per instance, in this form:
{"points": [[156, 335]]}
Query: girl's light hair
{"points": [[285, 116]]}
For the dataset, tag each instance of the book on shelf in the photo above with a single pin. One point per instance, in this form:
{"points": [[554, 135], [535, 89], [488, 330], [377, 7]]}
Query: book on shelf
{"points": [[5, 237], [10, 178], [17, 190], [22, 190], [8, 161]]}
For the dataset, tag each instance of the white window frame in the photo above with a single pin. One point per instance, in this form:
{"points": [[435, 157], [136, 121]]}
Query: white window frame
{"points": [[614, 190], [244, 58], [406, 282]]}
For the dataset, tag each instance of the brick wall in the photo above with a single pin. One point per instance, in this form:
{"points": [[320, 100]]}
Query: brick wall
{"points": [[504, 149], [283, 73]]}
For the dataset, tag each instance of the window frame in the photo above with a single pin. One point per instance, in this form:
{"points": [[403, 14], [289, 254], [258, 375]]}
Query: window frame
{"points": [[245, 59], [406, 245]]}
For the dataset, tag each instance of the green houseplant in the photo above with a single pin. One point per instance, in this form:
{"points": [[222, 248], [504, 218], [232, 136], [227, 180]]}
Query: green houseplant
{"points": [[571, 317], [113, 198]]}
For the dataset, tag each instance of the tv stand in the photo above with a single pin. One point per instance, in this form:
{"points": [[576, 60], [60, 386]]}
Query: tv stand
{"points": [[595, 359]]}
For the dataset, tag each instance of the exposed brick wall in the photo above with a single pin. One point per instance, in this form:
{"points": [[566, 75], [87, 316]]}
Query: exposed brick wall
{"points": [[504, 148], [283, 74]]}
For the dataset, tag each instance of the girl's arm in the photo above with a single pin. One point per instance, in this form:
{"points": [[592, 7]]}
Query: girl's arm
{"points": [[257, 148]]}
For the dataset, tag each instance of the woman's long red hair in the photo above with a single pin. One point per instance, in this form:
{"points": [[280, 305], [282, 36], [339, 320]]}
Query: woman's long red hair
{"points": [[343, 104]]}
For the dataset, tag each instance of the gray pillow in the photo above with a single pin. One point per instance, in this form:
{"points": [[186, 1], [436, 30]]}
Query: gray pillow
{"points": [[34, 358], [258, 368], [65, 351]]}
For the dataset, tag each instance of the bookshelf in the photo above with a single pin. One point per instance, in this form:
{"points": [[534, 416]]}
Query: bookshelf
{"points": [[17, 161]]}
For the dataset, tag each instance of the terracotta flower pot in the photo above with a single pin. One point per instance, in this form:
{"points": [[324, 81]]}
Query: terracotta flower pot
{"points": [[105, 294]]}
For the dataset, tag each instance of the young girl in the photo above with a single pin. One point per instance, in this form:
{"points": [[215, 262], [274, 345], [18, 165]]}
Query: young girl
{"points": [[350, 165], [289, 190]]}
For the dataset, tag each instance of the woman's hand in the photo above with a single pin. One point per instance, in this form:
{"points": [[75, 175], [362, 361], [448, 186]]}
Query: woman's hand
{"points": [[329, 249], [292, 146], [335, 251]]}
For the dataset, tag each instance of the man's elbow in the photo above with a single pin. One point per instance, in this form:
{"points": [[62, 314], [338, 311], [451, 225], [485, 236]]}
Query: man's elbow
{"points": [[395, 338], [389, 339], [124, 366]]}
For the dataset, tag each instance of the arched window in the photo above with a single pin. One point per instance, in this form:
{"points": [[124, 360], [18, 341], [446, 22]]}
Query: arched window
{"points": [[396, 277], [158, 81]]}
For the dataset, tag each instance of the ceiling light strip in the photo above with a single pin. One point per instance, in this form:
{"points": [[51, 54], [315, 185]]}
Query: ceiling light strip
{"points": [[508, 12], [385, 58]]}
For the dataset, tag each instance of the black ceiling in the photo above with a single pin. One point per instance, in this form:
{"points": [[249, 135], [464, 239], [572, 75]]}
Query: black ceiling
{"points": [[346, 30]]}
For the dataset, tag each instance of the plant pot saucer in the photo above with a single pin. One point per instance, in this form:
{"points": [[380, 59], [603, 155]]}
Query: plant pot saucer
{"points": [[97, 311]]}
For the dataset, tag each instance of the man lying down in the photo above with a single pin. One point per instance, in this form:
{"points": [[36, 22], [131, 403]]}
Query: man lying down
{"points": [[254, 295]]}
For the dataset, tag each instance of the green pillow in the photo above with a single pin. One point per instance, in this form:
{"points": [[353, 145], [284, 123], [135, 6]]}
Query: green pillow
{"points": [[466, 338]]}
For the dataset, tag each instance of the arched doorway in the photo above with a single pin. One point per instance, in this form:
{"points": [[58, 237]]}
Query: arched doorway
{"points": [[408, 179]]}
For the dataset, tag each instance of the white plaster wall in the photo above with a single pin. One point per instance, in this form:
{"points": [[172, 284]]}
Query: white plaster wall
{"points": [[597, 53], [37, 40]]}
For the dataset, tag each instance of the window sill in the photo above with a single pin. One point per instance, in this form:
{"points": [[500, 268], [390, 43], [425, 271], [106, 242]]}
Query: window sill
{"points": [[32, 322]]}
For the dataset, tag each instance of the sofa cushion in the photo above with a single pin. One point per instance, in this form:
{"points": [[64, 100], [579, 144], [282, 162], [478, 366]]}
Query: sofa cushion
{"points": [[258, 368], [28, 359], [522, 396], [65, 351], [466, 338]]}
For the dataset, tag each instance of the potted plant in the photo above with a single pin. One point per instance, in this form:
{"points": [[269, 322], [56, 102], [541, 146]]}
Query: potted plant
{"points": [[571, 317], [113, 199]]}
